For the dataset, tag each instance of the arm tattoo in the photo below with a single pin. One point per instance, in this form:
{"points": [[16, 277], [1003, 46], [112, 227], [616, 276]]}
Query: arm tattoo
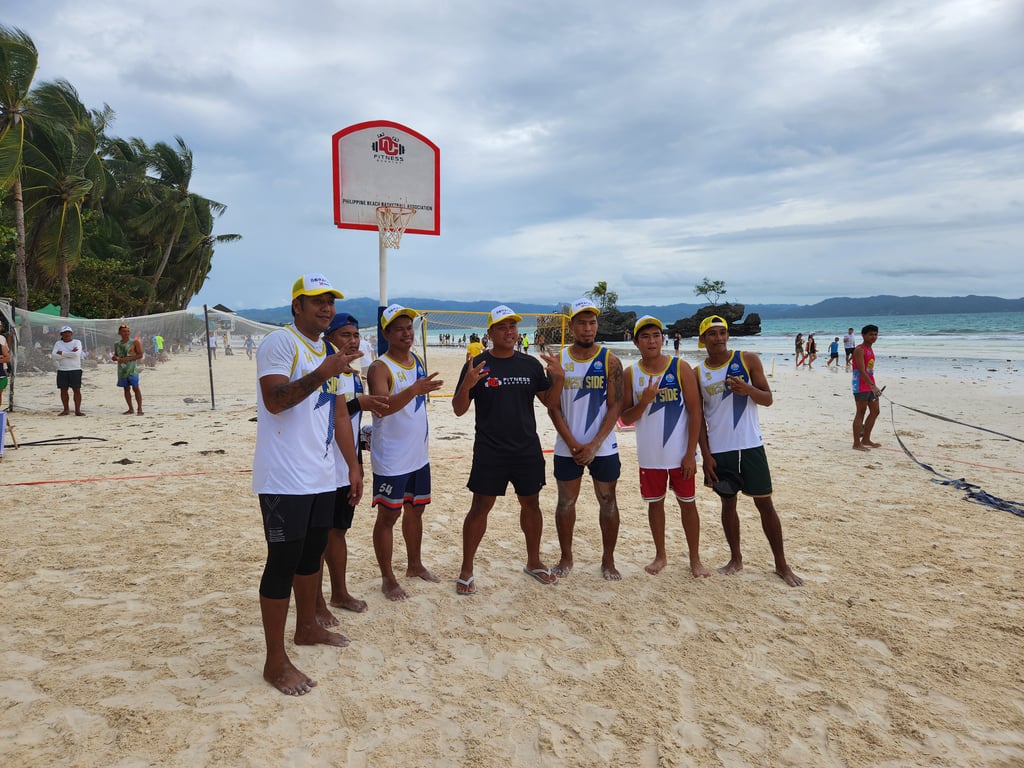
{"points": [[291, 393]]}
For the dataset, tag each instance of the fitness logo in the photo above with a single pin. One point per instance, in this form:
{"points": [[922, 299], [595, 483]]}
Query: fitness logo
{"points": [[388, 149]]}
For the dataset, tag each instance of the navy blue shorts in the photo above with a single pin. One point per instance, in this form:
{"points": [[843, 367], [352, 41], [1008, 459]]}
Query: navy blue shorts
{"points": [[395, 491], [604, 469]]}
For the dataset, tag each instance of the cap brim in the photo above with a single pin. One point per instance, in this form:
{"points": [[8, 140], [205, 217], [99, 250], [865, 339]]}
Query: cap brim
{"points": [[517, 318]]}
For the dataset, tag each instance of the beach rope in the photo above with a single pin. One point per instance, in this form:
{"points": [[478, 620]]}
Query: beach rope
{"points": [[58, 440], [974, 492]]}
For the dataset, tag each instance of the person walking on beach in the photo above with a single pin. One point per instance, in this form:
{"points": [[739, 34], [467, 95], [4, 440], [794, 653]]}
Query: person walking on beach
{"points": [[732, 386], [342, 335], [585, 417], [865, 391], [398, 452], [293, 473], [833, 353], [660, 396], [67, 351], [799, 346], [506, 449], [849, 344], [127, 354], [812, 350], [211, 342]]}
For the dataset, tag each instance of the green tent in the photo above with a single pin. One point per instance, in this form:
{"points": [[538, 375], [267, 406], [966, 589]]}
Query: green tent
{"points": [[54, 310]]}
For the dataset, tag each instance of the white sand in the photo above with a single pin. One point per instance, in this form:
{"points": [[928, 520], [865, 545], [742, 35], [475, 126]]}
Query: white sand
{"points": [[130, 629]]}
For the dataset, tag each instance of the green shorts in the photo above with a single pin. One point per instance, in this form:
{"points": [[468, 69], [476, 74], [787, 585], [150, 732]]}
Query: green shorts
{"points": [[751, 467], [3, 383]]}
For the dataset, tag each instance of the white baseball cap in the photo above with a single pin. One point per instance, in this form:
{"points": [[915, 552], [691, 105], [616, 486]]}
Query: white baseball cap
{"points": [[66, 329], [645, 321], [396, 310], [501, 312], [583, 305]]}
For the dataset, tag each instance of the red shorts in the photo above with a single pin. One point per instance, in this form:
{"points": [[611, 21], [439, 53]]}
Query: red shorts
{"points": [[653, 483]]}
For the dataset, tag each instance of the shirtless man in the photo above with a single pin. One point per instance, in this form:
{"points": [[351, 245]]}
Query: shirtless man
{"points": [[660, 396], [398, 451], [293, 473], [585, 417], [732, 386], [865, 391]]}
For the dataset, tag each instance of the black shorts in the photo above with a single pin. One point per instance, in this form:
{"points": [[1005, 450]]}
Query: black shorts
{"points": [[343, 511], [72, 379], [747, 468], [289, 518], [865, 397], [491, 478]]}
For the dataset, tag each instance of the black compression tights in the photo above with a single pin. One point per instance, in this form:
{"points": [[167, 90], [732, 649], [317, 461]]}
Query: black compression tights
{"points": [[286, 559]]}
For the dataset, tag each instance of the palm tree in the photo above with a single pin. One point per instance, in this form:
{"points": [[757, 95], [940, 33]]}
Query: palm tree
{"points": [[18, 62]]}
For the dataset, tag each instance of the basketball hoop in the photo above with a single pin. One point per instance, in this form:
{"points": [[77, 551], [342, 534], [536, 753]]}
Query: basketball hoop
{"points": [[392, 221]]}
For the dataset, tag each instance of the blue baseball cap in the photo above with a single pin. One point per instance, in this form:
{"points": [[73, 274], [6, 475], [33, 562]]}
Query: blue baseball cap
{"points": [[340, 320]]}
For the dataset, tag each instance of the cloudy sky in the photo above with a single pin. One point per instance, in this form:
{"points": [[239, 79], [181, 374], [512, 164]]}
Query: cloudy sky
{"points": [[795, 150]]}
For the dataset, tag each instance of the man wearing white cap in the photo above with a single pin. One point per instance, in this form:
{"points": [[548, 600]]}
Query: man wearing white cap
{"points": [[67, 351], [660, 396], [732, 386], [294, 474], [398, 451], [506, 449], [585, 417]]}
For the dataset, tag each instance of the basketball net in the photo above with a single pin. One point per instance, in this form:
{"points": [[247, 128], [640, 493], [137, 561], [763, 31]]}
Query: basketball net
{"points": [[392, 221]]}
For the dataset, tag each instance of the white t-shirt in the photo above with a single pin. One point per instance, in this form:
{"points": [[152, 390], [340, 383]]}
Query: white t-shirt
{"points": [[732, 420], [584, 401], [400, 439], [70, 357], [347, 387], [293, 448], [662, 432]]}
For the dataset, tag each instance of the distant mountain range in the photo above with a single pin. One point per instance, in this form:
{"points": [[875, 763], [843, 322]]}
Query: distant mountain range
{"points": [[365, 309]]}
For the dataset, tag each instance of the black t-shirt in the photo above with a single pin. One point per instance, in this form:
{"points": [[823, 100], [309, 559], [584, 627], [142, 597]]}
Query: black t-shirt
{"points": [[506, 427]]}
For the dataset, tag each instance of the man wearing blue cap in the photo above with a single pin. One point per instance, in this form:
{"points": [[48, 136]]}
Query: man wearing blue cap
{"points": [[293, 473]]}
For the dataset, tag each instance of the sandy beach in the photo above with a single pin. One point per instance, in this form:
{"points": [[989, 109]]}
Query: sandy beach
{"points": [[131, 633]]}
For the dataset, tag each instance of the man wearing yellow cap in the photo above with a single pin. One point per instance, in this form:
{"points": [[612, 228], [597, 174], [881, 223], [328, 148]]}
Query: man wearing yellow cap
{"points": [[293, 472], [732, 385]]}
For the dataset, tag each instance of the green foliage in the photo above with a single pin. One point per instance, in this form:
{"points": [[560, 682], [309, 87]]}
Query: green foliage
{"points": [[606, 300], [712, 290]]}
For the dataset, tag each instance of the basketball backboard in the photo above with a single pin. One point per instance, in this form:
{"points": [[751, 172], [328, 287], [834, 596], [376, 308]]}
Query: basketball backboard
{"points": [[383, 163]]}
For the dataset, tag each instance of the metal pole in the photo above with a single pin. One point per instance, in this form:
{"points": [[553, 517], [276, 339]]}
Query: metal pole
{"points": [[382, 264], [209, 357]]}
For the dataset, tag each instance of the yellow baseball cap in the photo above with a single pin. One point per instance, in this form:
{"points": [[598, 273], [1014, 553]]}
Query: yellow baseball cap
{"points": [[645, 321], [314, 284], [396, 310], [583, 305], [708, 322], [501, 312]]}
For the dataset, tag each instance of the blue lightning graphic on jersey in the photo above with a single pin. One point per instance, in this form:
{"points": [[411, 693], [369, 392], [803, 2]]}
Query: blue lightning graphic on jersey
{"points": [[326, 397], [421, 373], [739, 402], [673, 408], [596, 395]]}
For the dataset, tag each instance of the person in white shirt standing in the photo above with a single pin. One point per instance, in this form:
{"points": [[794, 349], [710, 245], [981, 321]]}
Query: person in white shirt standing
{"points": [[67, 351]]}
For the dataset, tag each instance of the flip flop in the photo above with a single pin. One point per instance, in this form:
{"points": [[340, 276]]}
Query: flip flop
{"points": [[468, 584], [543, 575]]}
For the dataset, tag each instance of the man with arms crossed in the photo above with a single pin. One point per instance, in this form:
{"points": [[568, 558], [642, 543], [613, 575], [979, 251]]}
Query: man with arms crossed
{"points": [[293, 473], [732, 385], [506, 448], [865, 391], [67, 351], [398, 450], [660, 396], [584, 418]]}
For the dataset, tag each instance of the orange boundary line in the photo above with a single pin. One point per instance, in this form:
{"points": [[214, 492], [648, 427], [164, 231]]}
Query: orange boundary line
{"points": [[961, 461]]}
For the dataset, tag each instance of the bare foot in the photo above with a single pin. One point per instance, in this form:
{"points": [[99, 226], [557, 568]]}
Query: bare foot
{"points": [[611, 573], [699, 571], [350, 603], [288, 680], [862, 448], [129, 412], [870, 444], [79, 413], [317, 635], [733, 566], [563, 568], [64, 413], [423, 573], [787, 575], [140, 412], [394, 591], [325, 618], [655, 566]]}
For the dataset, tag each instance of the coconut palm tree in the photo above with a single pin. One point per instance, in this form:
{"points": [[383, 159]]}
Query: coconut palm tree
{"points": [[18, 62]]}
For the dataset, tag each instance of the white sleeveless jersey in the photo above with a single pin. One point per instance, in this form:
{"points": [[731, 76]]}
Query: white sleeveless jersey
{"points": [[662, 431], [293, 448], [732, 420], [584, 401], [399, 444], [349, 385]]}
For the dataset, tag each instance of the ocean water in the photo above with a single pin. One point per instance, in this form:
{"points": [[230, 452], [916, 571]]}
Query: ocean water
{"points": [[971, 344]]}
